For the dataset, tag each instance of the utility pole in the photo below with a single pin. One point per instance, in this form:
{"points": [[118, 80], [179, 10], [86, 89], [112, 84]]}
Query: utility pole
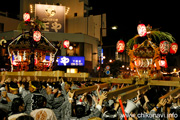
{"points": [[101, 47]]}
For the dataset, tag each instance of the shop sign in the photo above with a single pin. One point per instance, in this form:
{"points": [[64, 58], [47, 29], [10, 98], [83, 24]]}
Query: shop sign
{"points": [[71, 60], [53, 17]]}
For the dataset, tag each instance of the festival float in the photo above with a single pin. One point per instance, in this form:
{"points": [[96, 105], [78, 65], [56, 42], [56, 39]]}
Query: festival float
{"points": [[31, 50], [147, 51]]}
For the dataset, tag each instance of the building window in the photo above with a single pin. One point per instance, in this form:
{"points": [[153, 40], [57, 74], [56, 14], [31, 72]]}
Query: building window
{"points": [[75, 14], [1, 27]]}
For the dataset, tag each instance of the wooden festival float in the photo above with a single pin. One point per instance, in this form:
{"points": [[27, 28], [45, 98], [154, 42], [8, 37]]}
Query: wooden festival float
{"points": [[31, 51], [24, 50], [148, 50]]}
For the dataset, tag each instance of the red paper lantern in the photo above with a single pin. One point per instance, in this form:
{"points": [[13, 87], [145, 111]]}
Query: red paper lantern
{"points": [[141, 28], [173, 48], [164, 47], [26, 17], [66, 43], [37, 36], [120, 46]]}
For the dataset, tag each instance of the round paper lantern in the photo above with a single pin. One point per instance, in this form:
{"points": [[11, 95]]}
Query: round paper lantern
{"points": [[173, 48], [26, 17], [164, 47], [141, 28], [120, 46], [37, 36], [66, 43]]}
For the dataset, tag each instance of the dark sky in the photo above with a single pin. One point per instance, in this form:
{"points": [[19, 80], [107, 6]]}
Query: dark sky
{"points": [[10, 6], [127, 15]]}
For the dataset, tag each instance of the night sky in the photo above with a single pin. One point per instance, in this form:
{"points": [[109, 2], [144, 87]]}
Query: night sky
{"points": [[127, 15]]}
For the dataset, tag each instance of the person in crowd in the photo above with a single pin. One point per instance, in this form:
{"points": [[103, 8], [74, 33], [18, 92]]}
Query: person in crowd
{"points": [[25, 117], [17, 108], [43, 113], [3, 114], [30, 100], [95, 118], [79, 110], [66, 87], [7, 97], [58, 99], [47, 92], [13, 92], [23, 88], [65, 105]]}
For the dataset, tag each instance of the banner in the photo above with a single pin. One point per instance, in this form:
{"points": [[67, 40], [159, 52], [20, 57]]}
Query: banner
{"points": [[53, 17]]}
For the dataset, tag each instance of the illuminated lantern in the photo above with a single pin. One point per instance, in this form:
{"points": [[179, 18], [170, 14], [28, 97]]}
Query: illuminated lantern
{"points": [[173, 48], [164, 47], [141, 28], [26, 17], [120, 46], [37, 36], [66, 43]]}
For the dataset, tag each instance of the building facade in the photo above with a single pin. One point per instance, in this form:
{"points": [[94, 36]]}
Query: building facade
{"points": [[81, 29]]}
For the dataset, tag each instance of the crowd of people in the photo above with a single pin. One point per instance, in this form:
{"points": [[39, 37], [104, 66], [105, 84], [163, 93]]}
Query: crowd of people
{"points": [[25, 99]]}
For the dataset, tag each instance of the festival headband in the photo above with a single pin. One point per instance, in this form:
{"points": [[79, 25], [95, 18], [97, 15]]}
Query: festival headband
{"points": [[13, 88], [32, 85]]}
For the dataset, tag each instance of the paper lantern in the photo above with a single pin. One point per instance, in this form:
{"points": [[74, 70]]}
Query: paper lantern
{"points": [[164, 47], [141, 28], [66, 44], [120, 46], [173, 48], [26, 17], [37, 36]]}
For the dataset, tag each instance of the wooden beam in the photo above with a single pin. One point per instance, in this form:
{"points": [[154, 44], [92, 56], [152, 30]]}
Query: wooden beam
{"points": [[164, 83], [115, 93], [173, 93], [112, 80], [89, 89], [133, 93]]}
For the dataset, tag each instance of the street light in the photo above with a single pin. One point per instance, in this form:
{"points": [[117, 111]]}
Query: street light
{"points": [[114, 27]]}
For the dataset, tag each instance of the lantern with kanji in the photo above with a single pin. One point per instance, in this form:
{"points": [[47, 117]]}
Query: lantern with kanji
{"points": [[164, 47], [26, 17], [36, 36], [141, 28], [66, 43], [120, 46], [173, 48]]}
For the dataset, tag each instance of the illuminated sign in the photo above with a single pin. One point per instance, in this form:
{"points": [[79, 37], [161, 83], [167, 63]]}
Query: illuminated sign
{"points": [[53, 17], [71, 60]]}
